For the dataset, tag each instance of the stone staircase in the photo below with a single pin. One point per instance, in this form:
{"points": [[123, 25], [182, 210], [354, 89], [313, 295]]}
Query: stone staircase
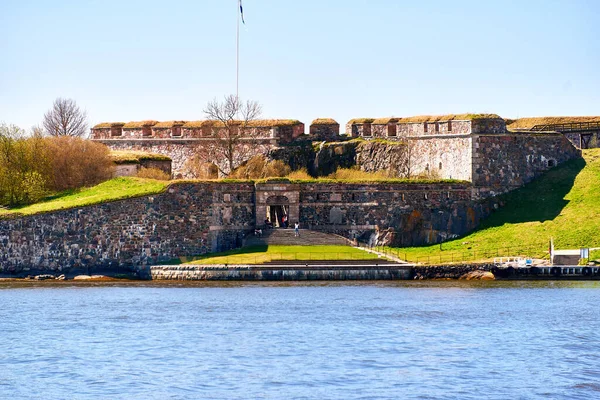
{"points": [[286, 237]]}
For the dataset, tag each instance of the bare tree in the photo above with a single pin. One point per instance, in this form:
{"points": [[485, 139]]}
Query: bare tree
{"points": [[65, 118], [234, 140]]}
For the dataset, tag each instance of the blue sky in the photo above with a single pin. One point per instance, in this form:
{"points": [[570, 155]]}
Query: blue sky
{"points": [[144, 59]]}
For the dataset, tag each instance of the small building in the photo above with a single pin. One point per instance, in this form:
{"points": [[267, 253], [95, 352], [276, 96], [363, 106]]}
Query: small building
{"points": [[326, 129], [565, 257], [129, 163], [385, 127], [359, 127]]}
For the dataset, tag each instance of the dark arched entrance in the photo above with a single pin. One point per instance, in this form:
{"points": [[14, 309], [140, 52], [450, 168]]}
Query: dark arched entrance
{"points": [[278, 210]]}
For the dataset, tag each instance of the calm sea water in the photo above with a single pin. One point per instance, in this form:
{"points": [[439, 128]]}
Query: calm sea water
{"points": [[440, 340]]}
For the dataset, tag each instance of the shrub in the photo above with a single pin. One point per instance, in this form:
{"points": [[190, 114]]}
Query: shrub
{"points": [[427, 175], [260, 167], [301, 174], [32, 167], [77, 162], [153, 173], [197, 168], [352, 174]]}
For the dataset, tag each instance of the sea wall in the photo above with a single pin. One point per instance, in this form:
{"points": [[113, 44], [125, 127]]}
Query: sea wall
{"points": [[188, 219], [281, 273]]}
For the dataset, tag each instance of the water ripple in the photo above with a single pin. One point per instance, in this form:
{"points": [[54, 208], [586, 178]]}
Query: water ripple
{"points": [[326, 341]]}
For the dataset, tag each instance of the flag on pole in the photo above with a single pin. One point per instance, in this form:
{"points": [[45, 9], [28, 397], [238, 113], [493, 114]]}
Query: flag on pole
{"points": [[242, 12]]}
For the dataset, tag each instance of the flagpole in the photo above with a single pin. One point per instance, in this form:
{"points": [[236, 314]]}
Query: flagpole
{"points": [[237, 54]]}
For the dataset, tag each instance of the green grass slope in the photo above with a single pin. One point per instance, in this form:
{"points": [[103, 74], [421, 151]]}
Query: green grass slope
{"points": [[114, 189], [262, 254], [563, 204]]}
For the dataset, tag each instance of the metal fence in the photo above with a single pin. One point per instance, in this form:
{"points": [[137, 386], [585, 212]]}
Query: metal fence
{"points": [[468, 255]]}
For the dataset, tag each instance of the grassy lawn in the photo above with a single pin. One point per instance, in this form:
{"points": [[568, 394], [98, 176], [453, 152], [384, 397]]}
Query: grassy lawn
{"points": [[262, 254], [563, 204], [114, 189]]}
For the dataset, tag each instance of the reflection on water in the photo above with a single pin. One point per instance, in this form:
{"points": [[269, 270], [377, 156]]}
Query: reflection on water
{"points": [[328, 340]]}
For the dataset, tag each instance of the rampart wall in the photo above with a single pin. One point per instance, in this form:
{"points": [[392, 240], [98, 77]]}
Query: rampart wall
{"points": [[391, 214], [199, 218], [505, 162], [188, 219]]}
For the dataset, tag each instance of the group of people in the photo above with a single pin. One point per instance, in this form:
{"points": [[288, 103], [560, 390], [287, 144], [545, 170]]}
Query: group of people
{"points": [[284, 224]]}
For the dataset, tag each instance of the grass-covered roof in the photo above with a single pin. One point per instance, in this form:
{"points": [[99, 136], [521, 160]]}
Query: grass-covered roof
{"points": [[448, 117], [361, 121], [423, 118], [324, 121], [139, 124], [107, 125], [169, 124], [134, 157], [266, 123], [385, 121], [527, 123]]}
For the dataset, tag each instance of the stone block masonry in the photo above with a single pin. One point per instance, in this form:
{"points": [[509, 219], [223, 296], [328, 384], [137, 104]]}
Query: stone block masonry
{"points": [[200, 217], [188, 219], [504, 162], [392, 214]]}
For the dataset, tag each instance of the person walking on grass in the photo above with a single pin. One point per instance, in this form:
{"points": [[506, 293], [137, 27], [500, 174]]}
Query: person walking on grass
{"points": [[296, 229]]}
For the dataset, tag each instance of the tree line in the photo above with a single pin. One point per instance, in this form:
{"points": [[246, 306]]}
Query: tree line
{"points": [[50, 158], [33, 166]]}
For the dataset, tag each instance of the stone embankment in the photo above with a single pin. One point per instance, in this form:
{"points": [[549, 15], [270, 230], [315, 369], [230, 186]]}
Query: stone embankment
{"points": [[462, 271], [324, 272], [279, 273]]}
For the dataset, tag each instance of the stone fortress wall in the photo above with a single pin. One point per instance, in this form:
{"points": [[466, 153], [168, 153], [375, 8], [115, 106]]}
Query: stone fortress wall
{"points": [[187, 219], [198, 218], [473, 147]]}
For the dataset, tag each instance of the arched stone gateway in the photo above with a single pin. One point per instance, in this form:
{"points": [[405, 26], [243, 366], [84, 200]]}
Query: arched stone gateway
{"points": [[278, 208], [277, 204]]}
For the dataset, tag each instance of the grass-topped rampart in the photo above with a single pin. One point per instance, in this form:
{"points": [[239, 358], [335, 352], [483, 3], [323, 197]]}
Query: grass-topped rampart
{"points": [[128, 187], [112, 190], [563, 204]]}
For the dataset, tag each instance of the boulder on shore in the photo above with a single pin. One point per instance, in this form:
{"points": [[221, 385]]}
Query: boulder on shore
{"points": [[478, 276]]}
